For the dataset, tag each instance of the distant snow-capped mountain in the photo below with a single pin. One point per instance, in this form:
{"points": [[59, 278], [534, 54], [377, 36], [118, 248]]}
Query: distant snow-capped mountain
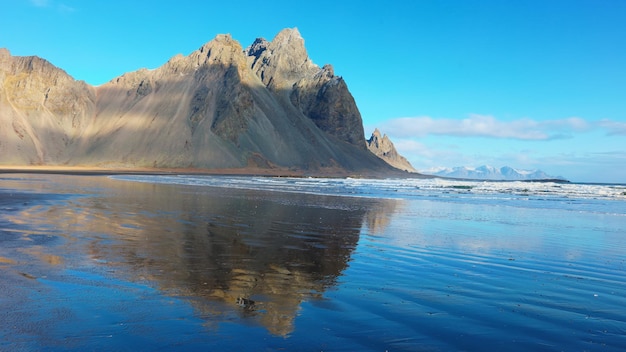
{"points": [[486, 172]]}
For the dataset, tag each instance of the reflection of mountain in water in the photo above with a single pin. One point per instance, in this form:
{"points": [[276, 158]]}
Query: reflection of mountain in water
{"points": [[216, 245], [378, 216]]}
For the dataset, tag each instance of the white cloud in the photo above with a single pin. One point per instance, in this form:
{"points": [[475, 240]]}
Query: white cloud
{"points": [[570, 123], [587, 150], [413, 147], [613, 127], [417, 150], [485, 126], [422, 156], [588, 167]]}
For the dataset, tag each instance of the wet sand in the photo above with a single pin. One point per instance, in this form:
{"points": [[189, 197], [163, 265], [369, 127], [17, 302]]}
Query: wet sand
{"points": [[92, 263], [89, 262]]}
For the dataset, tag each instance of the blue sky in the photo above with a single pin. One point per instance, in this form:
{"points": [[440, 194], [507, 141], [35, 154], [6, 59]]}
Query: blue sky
{"points": [[528, 84]]}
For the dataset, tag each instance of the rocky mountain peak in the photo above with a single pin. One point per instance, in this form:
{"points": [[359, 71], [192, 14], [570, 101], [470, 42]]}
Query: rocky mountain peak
{"points": [[221, 43], [284, 67], [219, 107], [223, 50], [30, 65], [282, 61], [289, 39], [382, 147], [256, 49], [4, 54]]}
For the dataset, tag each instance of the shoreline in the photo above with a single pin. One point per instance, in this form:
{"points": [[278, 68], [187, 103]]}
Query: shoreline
{"points": [[265, 172], [275, 172]]}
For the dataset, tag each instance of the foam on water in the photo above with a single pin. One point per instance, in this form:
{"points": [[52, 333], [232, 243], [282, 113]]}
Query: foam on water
{"points": [[578, 197]]}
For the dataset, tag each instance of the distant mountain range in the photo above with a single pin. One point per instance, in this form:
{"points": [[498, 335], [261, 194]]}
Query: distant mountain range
{"points": [[486, 172]]}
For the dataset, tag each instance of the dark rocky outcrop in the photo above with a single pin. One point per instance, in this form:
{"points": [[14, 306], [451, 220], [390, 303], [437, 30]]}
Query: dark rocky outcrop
{"points": [[222, 106]]}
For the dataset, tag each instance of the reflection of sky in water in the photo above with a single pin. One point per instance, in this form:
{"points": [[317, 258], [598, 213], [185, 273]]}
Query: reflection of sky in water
{"points": [[215, 244], [327, 272]]}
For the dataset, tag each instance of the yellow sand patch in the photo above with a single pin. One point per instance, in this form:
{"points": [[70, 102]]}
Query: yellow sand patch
{"points": [[52, 259], [4, 260], [44, 257]]}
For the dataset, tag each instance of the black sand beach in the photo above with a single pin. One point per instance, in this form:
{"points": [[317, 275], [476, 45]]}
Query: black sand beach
{"points": [[91, 262]]}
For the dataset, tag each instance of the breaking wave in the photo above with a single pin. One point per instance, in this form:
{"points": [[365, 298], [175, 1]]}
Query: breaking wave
{"points": [[577, 197]]}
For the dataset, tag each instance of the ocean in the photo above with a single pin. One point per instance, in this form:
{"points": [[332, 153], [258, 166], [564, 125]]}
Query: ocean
{"points": [[189, 262]]}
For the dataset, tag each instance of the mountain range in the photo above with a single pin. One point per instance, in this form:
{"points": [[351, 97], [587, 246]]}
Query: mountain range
{"points": [[485, 172], [266, 106]]}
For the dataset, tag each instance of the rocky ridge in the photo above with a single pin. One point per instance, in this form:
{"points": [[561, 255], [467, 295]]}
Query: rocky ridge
{"points": [[222, 106], [42, 110], [383, 147]]}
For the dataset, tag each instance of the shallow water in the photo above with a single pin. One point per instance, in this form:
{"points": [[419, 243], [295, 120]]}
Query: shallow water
{"points": [[90, 262]]}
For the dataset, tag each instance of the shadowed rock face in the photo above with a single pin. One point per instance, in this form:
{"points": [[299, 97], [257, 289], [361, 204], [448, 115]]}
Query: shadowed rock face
{"points": [[222, 106], [284, 64], [384, 149], [325, 99]]}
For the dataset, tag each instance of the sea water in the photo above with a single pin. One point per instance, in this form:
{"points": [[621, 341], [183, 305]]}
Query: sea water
{"points": [[188, 262]]}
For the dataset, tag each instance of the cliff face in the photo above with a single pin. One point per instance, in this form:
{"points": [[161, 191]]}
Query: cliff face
{"points": [[284, 66], [42, 110], [221, 106], [384, 149]]}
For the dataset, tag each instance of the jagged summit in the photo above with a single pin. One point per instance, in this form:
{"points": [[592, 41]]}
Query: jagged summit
{"points": [[383, 147], [5, 55], [288, 34], [291, 40], [281, 62], [221, 106]]}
